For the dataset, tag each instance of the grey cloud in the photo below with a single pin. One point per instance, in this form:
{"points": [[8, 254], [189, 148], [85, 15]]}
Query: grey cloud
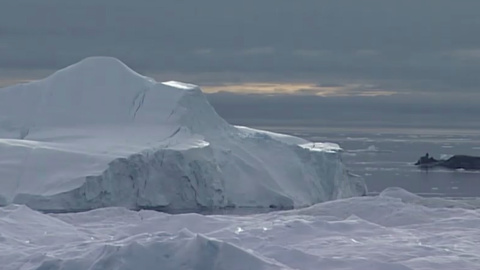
{"points": [[397, 111], [407, 45], [322, 84]]}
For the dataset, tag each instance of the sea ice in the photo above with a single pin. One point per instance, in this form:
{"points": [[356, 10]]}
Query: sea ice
{"points": [[395, 230]]}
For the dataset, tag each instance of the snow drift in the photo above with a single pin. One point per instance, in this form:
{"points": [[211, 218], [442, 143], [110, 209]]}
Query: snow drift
{"points": [[394, 231], [97, 134]]}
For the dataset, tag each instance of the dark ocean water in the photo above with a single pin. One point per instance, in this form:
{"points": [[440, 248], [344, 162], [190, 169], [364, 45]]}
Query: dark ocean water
{"points": [[384, 158]]}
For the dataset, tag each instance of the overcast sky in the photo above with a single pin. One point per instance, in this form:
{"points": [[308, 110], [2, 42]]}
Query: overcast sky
{"points": [[308, 47]]}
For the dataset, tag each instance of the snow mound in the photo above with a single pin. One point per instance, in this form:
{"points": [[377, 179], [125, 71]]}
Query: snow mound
{"points": [[98, 134], [90, 250], [379, 232], [407, 197]]}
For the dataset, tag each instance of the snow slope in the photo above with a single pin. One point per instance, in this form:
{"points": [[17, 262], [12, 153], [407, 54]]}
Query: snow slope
{"points": [[97, 134], [393, 231]]}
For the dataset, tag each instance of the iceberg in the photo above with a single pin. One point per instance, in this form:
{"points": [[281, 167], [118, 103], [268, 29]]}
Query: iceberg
{"points": [[98, 134]]}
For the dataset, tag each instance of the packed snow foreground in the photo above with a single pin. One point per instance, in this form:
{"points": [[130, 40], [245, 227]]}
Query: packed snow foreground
{"points": [[393, 231], [97, 134]]}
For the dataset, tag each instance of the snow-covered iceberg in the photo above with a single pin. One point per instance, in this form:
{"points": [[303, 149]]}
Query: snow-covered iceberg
{"points": [[97, 134]]}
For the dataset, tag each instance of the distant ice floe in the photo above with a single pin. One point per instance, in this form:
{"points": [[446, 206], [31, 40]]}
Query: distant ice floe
{"points": [[370, 149], [445, 156], [322, 147]]}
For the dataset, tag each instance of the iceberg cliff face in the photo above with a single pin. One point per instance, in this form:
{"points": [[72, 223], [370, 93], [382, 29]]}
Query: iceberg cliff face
{"points": [[98, 134]]}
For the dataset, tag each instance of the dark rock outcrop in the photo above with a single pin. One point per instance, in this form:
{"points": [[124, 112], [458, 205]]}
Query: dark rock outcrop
{"points": [[455, 162]]}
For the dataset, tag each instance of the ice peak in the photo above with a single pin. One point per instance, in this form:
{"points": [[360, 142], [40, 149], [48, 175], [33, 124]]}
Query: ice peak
{"points": [[101, 60], [105, 91], [96, 66]]}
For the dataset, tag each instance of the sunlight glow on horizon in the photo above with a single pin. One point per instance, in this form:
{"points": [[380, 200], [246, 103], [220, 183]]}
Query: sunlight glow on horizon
{"points": [[297, 88]]}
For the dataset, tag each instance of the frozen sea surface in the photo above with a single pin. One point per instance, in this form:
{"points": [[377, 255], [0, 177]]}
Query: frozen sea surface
{"points": [[385, 157], [395, 230]]}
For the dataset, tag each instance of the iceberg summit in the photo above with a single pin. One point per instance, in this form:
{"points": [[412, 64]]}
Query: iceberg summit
{"points": [[97, 134]]}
